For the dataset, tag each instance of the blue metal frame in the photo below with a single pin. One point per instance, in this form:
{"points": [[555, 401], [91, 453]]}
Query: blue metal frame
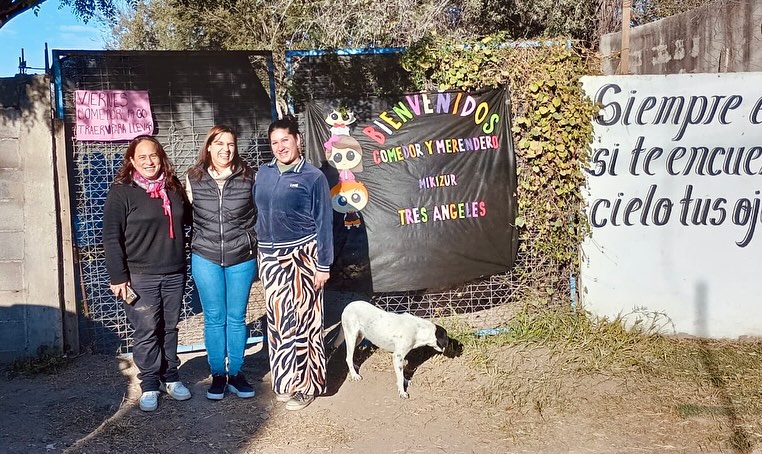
{"points": [[57, 84], [273, 100]]}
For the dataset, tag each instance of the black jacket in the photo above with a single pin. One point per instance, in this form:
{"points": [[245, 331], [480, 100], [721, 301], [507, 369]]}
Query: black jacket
{"points": [[136, 233], [223, 221]]}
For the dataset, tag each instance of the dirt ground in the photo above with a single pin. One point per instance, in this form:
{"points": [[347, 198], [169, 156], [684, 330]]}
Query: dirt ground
{"points": [[454, 407]]}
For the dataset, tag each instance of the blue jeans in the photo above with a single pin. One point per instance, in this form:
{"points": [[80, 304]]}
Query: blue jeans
{"points": [[224, 292]]}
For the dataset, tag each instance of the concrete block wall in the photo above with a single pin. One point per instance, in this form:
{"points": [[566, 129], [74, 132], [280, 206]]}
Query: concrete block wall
{"points": [[30, 308], [724, 36]]}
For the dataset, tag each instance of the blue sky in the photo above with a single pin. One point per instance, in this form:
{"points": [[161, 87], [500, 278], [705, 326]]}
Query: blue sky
{"points": [[58, 27]]}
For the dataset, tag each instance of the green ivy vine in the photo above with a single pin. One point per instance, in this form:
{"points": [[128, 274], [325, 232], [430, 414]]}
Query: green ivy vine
{"points": [[551, 125]]}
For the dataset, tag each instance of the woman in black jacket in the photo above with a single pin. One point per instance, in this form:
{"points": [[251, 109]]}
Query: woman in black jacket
{"points": [[145, 253]]}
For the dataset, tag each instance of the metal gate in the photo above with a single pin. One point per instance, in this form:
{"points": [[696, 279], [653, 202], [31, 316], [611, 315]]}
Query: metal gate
{"points": [[189, 92]]}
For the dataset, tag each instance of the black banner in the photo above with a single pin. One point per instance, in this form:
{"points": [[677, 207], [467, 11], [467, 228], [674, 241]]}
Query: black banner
{"points": [[423, 187]]}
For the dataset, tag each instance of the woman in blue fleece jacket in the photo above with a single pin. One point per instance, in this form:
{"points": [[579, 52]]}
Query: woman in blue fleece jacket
{"points": [[295, 233]]}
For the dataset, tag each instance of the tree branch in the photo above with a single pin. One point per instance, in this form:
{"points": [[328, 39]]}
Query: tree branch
{"points": [[12, 8]]}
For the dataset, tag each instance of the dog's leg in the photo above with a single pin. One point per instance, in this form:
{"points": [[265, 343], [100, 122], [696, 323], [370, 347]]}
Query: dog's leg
{"points": [[399, 364], [350, 340]]}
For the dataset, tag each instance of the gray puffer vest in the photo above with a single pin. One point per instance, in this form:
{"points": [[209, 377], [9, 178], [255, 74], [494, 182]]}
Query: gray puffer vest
{"points": [[223, 221]]}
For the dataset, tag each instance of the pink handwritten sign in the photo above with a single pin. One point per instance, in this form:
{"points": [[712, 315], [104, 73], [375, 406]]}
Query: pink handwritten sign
{"points": [[111, 115]]}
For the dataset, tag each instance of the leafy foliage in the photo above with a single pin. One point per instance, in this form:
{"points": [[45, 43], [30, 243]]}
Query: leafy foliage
{"points": [[281, 25], [539, 18], [106, 10], [552, 130], [276, 25], [645, 11], [303, 24], [12, 8]]}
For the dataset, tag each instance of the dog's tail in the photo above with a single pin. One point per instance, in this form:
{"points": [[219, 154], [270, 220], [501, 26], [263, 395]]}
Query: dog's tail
{"points": [[332, 347], [339, 337]]}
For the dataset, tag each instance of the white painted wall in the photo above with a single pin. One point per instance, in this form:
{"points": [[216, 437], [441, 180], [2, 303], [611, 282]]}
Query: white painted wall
{"points": [[704, 276]]}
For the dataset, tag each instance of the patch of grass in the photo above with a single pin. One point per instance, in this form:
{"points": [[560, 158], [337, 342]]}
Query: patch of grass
{"points": [[632, 342], [48, 360], [690, 410], [456, 327], [550, 349]]}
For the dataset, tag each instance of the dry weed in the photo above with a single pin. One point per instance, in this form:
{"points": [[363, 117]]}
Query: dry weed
{"points": [[547, 361]]}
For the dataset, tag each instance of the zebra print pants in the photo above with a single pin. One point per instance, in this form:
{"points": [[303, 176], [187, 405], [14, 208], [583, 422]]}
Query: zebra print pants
{"points": [[294, 319]]}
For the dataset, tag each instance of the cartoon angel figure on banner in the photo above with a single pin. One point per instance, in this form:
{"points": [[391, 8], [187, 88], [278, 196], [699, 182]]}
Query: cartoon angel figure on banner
{"points": [[345, 154], [349, 197], [340, 121]]}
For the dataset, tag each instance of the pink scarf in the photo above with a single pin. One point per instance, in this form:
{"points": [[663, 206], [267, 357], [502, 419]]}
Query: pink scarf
{"points": [[155, 189]]}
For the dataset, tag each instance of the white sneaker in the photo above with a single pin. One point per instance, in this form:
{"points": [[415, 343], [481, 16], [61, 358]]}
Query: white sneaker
{"points": [[285, 397], [149, 401], [176, 390], [299, 401]]}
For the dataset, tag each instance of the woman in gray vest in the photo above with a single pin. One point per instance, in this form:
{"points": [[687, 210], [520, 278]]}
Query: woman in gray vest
{"points": [[223, 259]]}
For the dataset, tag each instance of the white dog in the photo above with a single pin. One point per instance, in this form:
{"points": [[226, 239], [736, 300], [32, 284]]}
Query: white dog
{"points": [[396, 333]]}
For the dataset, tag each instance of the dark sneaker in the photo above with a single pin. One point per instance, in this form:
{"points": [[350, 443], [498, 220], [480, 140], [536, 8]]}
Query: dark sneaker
{"points": [[217, 390], [299, 401], [238, 385]]}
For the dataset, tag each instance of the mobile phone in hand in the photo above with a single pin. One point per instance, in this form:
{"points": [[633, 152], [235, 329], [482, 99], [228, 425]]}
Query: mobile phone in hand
{"points": [[131, 296]]}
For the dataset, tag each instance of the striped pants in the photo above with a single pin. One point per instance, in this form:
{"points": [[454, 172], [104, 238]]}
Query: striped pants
{"points": [[294, 319]]}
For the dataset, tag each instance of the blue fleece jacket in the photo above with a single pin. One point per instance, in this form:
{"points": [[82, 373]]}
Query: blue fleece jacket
{"points": [[293, 208]]}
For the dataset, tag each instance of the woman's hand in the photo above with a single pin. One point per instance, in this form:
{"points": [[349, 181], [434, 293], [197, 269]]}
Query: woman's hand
{"points": [[120, 290], [320, 279]]}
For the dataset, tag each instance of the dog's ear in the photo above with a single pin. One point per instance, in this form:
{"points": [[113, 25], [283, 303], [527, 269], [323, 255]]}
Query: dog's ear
{"points": [[442, 338], [454, 349]]}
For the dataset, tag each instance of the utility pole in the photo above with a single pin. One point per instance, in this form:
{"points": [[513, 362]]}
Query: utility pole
{"points": [[624, 58]]}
